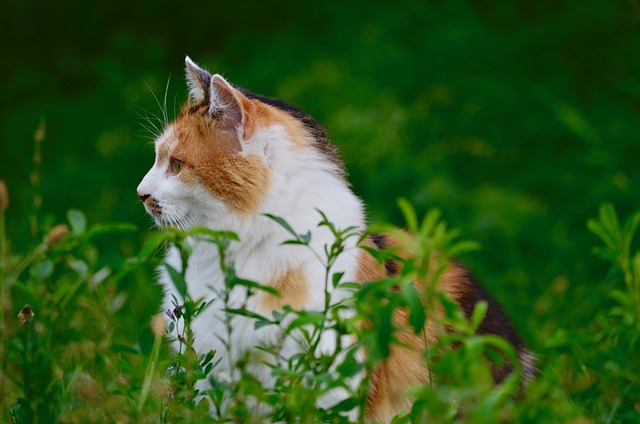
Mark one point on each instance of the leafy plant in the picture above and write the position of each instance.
(65, 362)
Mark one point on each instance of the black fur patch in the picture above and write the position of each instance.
(380, 242)
(319, 134)
(204, 80)
(495, 321)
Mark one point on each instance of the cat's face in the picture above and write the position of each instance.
(206, 162)
(232, 154)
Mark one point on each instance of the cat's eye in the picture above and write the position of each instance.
(176, 166)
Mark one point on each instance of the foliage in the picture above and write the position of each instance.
(515, 118)
(63, 361)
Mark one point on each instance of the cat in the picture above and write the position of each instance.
(229, 158)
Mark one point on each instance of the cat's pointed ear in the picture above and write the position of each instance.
(234, 109)
(198, 81)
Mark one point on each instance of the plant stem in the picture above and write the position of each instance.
(26, 370)
(36, 177)
(150, 372)
(4, 300)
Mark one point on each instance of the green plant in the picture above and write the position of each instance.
(614, 340)
(64, 360)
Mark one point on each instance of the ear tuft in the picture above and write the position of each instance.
(234, 109)
(198, 81)
(222, 95)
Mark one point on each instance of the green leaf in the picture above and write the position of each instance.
(253, 285)
(601, 231)
(79, 266)
(207, 358)
(609, 219)
(620, 296)
(263, 323)
(116, 347)
(346, 405)
(305, 238)
(350, 286)
(245, 313)
(19, 411)
(294, 242)
(501, 345)
(99, 229)
(77, 221)
(384, 331)
(494, 356)
(126, 366)
(216, 235)
(401, 419)
(284, 224)
(152, 243)
(409, 214)
(336, 277)
(463, 247)
(178, 280)
(430, 224)
(417, 315)
(42, 270)
(307, 317)
(478, 315)
(201, 307)
(350, 366)
(279, 316)
(145, 341)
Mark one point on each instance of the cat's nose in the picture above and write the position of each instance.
(143, 197)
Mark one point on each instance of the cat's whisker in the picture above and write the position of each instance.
(150, 126)
(152, 123)
(160, 105)
(149, 116)
(151, 134)
(164, 103)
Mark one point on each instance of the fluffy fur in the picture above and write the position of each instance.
(241, 156)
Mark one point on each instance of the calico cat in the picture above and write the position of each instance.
(231, 157)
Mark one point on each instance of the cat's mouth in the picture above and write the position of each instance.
(166, 219)
(152, 206)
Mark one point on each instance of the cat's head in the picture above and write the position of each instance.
(226, 152)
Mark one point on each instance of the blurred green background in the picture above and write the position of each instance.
(515, 118)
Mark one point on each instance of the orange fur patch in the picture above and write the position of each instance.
(293, 289)
(258, 114)
(405, 367)
(211, 158)
(269, 115)
(209, 150)
(368, 267)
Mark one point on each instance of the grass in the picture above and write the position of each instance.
(66, 356)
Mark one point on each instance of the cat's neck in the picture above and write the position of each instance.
(298, 199)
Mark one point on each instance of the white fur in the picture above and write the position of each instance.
(303, 182)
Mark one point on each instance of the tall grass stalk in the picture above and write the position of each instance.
(36, 178)
(158, 327)
(4, 293)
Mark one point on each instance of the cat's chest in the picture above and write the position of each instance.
(214, 328)
(203, 274)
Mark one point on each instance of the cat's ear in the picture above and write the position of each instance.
(198, 81)
(235, 111)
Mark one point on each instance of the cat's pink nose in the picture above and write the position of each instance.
(143, 197)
